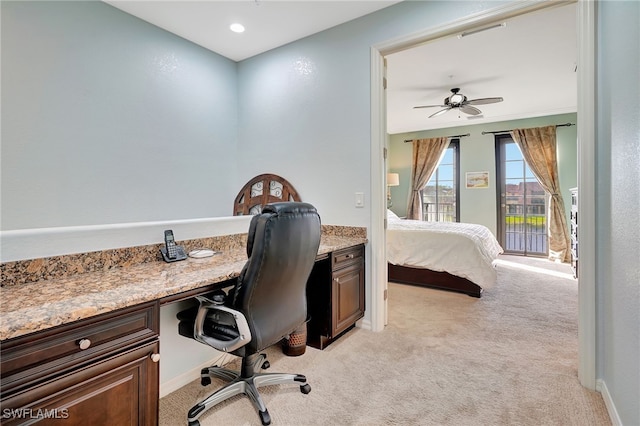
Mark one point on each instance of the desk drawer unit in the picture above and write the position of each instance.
(39, 360)
(335, 295)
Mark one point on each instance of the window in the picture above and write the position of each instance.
(440, 194)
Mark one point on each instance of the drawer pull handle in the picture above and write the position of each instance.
(337, 280)
(84, 344)
(155, 357)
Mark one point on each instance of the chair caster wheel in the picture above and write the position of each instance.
(194, 423)
(265, 365)
(204, 381)
(265, 417)
(305, 389)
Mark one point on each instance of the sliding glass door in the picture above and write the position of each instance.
(522, 208)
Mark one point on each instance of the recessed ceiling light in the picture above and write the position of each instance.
(237, 28)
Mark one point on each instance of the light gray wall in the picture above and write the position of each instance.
(477, 153)
(618, 205)
(107, 119)
(305, 109)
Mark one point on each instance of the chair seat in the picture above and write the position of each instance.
(212, 326)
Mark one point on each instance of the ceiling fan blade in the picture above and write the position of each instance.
(442, 111)
(483, 101)
(429, 106)
(468, 109)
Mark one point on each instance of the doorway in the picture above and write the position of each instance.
(586, 165)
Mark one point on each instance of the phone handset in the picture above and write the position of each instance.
(171, 252)
(170, 244)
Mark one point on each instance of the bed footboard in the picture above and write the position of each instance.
(434, 279)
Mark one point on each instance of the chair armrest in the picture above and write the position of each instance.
(244, 333)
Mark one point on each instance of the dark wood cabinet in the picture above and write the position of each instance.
(335, 295)
(100, 371)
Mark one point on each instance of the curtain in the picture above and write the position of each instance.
(538, 147)
(426, 155)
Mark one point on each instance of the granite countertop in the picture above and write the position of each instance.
(39, 305)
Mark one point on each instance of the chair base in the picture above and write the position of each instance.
(247, 382)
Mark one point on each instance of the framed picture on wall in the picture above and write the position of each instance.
(477, 180)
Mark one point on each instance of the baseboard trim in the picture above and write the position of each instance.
(601, 387)
(364, 324)
(184, 379)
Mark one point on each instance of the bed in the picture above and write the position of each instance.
(445, 255)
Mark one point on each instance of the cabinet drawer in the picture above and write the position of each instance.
(36, 357)
(346, 257)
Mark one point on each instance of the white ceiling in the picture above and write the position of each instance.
(530, 62)
(268, 23)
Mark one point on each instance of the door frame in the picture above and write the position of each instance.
(586, 19)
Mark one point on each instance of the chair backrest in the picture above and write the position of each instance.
(282, 246)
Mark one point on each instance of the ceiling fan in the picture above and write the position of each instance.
(458, 100)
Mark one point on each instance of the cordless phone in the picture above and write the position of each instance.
(171, 252)
(170, 244)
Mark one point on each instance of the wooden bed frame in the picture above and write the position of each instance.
(433, 279)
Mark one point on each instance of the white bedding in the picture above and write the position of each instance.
(462, 249)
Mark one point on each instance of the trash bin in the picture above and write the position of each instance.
(296, 343)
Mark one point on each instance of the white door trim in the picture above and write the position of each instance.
(586, 163)
(587, 193)
(378, 197)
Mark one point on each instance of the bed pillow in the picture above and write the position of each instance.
(392, 216)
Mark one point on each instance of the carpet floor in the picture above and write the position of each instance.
(508, 358)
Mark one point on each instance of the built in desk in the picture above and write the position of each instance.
(88, 342)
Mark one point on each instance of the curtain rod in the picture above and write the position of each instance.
(507, 131)
(454, 136)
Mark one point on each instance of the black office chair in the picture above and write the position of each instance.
(267, 304)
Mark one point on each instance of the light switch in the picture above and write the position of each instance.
(360, 199)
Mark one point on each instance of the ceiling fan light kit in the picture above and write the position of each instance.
(455, 98)
(460, 101)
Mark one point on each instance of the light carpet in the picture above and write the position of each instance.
(508, 358)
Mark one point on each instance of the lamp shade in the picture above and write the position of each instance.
(393, 179)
